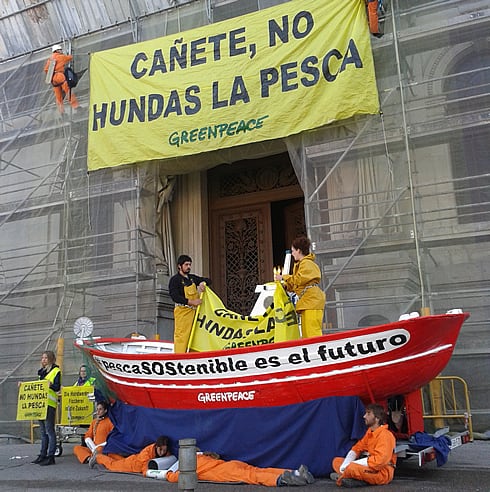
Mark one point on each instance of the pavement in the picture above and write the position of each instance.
(467, 469)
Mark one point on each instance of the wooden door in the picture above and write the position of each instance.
(242, 256)
(294, 220)
(246, 215)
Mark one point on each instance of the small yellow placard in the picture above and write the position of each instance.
(32, 403)
(76, 407)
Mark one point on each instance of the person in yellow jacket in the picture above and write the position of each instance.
(83, 379)
(304, 282)
(185, 289)
(52, 373)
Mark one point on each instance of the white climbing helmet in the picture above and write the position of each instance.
(56, 47)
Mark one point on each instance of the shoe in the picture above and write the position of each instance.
(49, 460)
(93, 459)
(289, 477)
(352, 483)
(38, 460)
(334, 476)
(305, 473)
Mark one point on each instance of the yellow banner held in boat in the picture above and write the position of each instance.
(266, 75)
(216, 327)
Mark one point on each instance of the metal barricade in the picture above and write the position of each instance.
(445, 401)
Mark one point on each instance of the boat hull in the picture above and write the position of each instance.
(371, 363)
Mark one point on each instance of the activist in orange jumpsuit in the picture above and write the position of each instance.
(136, 463)
(379, 466)
(184, 289)
(376, 12)
(98, 431)
(304, 283)
(59, 83)
(211, 468)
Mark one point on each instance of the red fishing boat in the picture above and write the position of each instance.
(373, 363)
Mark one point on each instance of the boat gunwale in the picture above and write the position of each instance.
(277, 379)
(93, 345)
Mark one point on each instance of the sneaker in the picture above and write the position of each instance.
(291, 478)
(93, 459)
(49, 460)
(39, 459)
(352, 483)
(305, 473)
(334, 476)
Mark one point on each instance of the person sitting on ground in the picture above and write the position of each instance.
(96, 436)
(379, 443)
(135, 463)
(211, 467)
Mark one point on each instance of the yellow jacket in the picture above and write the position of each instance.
(304, 283)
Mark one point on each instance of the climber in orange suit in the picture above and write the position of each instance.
(135, 463)
(211, 468)
(376, 13)
(98, 431)
(59, 83)
(379, 443)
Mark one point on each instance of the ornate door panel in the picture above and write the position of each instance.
(294, 220)
(250, 202)
(243, 238)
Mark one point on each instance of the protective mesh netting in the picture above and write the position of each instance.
(72, 244)
(397, 206)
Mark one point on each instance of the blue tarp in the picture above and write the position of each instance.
(441, 445)
(312, 433)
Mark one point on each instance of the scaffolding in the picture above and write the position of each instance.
(72, 244)
(397, 204)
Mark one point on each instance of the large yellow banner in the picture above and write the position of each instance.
(32, 403)
(269, 74)
(216, 327)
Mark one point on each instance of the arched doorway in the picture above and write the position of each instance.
(256, 208)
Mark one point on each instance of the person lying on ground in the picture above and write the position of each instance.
(135, 463)
(210, 467)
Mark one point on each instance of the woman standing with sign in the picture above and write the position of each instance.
(52, 373)
(304, 282)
